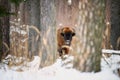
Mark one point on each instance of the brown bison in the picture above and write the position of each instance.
(64, 38)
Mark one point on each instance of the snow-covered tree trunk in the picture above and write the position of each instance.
(48, 32)
(17, 47)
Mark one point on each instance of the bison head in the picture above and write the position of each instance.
(67, 33)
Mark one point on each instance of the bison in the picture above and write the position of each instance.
(64, 38)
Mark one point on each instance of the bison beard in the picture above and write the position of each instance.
(64, 38)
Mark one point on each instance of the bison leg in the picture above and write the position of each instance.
(60, 52)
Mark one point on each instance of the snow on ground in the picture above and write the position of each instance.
(57, 71)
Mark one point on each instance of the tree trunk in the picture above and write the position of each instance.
(87, 43)
(33, 19)
(48, 32)
(4, 33)
(106, 44)
(19, 31)
(115, 22)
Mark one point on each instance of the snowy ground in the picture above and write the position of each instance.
(57, 71)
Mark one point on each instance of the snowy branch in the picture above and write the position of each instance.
(111, 51)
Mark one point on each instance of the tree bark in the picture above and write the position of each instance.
(106, 43)
(48, 32)
(33, 19)
(87, 43)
